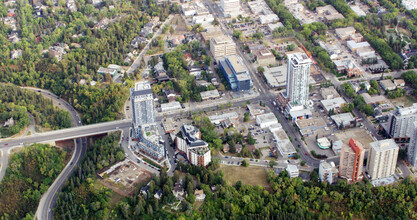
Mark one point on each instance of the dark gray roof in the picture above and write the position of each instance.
(141, 92)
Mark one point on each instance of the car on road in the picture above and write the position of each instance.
(71, 163)
(306, 154)
(226, 157)
(6, 144)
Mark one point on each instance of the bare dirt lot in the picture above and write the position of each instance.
(124, 176)
(180, 26)
(359, 134)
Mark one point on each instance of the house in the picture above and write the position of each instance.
(57, 51)
(170, 95)
(137, 41)
(226, 148)
(238, 148)
(15, 54)
(251, 148)
(158, 194)
(9, 122)
(145, 31)
(178, 191)
(399, 82)
(144, 190)
(199, 195)
(103, 70)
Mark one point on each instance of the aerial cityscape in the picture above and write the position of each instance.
(230, 109)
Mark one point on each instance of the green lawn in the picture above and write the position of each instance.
(248, 175)
(405, 101)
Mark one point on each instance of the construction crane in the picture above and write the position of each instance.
(308, 53)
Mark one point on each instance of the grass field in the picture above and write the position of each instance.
(359, 134)
(248, 175)
(405, 101)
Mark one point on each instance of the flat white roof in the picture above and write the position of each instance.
(333, 103)
(216, 119)
(345, 119)
(384, 145)
(171, 106)
(268, 117)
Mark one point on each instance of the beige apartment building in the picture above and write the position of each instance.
(222, 46)
(382, 159)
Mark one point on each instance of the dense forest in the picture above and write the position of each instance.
(95, 47)
(19, 116)
(43, 111)
(80, 198)
(29, 174)
(287, 198)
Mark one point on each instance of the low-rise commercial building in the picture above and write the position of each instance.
(353, 46)
(171, 106)
(343, 120)
(211, 94)
(217, 119)
(266, 120)
(329, 93)
(345, 33)
(323, 143)
(273, 27)
(387, 85)
(335, 104)
(282, 142)
(276, 77)
(376, 99)
(267, 19)
(309, 127)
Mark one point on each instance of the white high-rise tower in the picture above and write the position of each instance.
(142, 103)
(298, 75)
(412, 147)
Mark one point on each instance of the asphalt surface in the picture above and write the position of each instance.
(69, 133)
(48, 200)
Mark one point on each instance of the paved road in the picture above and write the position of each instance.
(69, 133)
(75, 120)
(48, 200)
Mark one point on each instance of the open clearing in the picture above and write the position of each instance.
(248, 175)
(359, 134)
(405, 101)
